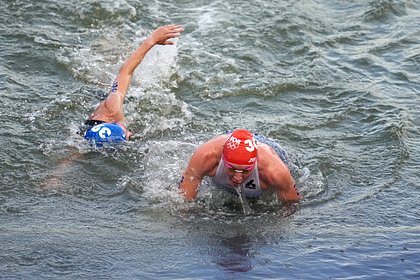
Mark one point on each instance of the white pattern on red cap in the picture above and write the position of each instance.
(240, 148)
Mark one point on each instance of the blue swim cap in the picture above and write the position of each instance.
(105, 132)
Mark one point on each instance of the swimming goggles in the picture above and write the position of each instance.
(232, 169)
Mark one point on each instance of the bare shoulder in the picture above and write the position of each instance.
(214, 145)
(267, 155)
(207, 156)
(272, 169)
(211, 151)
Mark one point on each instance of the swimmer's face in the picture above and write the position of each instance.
(238, 173)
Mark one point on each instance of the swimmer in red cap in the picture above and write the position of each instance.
(238, 160)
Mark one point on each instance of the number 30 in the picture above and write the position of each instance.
(251, 145)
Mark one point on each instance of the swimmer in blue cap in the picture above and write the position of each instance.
(107, 123)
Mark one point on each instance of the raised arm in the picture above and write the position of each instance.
(111, 109)
(160, 36)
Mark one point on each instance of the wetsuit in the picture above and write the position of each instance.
(251, 186)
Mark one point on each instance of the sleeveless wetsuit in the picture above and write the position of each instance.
(251, 186)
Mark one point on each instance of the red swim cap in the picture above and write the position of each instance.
(240, 148)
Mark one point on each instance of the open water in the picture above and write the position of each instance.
(336, 83)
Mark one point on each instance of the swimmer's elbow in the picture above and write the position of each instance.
(188, 187)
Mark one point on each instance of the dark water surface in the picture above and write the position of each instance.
(336, 83)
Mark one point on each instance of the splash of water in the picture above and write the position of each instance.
(244, 201)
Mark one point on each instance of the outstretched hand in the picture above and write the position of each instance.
(163, 34)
